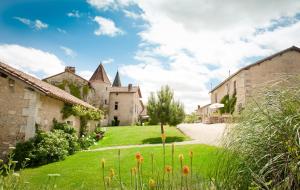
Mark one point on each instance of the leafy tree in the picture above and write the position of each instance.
(151, 109)
(191, 118)
(177, 113)
(164, 109)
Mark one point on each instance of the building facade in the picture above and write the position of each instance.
(122, 104)
(27, 102)
(246, 81)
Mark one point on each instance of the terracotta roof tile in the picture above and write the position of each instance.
(42, 86)
(100, 75)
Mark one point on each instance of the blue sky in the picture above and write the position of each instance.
(189, 45)
(75, 33)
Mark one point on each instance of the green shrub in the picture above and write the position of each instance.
(64, 126)
(46, 147)
(70, 135)
(86, 141)
(50, 147)
(267, 141)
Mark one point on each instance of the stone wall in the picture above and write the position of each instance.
(60, 79)
(22, 108)
(11, 113)
(250, 80)
(125, 108)
(101, 96)
(271, 71)
(129, 108)
(237, 84)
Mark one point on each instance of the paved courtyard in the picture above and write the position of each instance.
(210, 134)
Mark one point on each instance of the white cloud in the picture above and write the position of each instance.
(61, 30)
(74, 13)
(68, 51)
(108, 61)
(23, 20)
(85, 74)
(183, 40)
(106, 27)
(30, 60)
(36, 24)
(194, 34)
(110, 4)
(131, 14)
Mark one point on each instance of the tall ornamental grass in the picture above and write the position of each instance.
(265, 145)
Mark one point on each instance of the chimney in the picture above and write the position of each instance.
(198, 107)
(70, 69)
(129, 87)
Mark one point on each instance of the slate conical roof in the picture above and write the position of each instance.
(117, 81)
(100, 75)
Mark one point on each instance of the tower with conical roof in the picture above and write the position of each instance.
(101, 84)
(117, 81)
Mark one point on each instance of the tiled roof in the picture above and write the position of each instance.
(42, 86)
(123, 89)
(117, 80)
(100, 75)
(293, 48)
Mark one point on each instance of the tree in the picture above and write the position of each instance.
(177, 113)
(191, 118)
(151, 109)
(164, 109)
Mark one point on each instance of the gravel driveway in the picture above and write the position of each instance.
(204, 133)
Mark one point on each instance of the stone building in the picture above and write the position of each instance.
(122, 104)
(255, 76)
(203, 112)
(26, 102)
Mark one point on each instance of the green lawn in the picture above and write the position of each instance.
(83, 168)
(129, 135)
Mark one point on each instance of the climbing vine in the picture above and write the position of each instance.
(85, 114)
(75, 89)
(229, 104)
(81, 111)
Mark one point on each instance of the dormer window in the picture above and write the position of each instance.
(116, 105)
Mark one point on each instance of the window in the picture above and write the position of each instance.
(234, 87)
(105, 101)
(216, 97)
(227, 88)
(116, 105)
(11, 82)
(3, 75)
(117, 93)
(70, 123)
(106, 88)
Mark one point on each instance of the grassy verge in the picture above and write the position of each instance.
(129, 135)
(83, 169)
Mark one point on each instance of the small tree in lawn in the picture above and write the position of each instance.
(164, 109)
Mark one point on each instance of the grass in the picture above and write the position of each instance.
(130, 135)
(83, 169)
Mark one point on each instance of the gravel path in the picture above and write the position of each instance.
(210, 134)
(200, 133)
